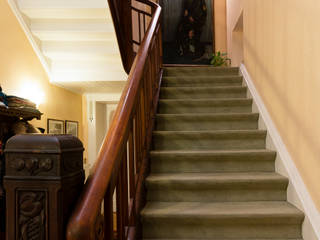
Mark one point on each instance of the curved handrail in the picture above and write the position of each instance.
(83, 219)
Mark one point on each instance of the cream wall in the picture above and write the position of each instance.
(220, 25)
(19, 66)
(234, 37)
(281, 52)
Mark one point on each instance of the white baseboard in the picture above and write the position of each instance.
(306, 203)
(25, 28)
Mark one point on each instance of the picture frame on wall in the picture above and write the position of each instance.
(55, 126)
(71, 127)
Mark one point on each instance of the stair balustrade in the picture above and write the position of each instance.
(122, 162)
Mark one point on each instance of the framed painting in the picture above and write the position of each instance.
(55, 126)
(71, 128)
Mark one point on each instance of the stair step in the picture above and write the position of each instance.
(73, 29)
(201, 81)
(209, 140)
(79, 50)
(202, 92)
(229, 220)
(88, 76)
(88, 71)
(34, 12)
(222, 239)
(206, 121)
(198, 71)
(62, 4)
(216, 187)
(212, 161)
(205, 106)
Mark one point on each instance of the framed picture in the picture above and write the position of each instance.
(72, 128)
(55, 126)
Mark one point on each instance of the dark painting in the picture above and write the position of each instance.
(187, 31)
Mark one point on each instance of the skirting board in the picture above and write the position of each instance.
(307, 203)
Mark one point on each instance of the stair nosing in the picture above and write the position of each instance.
(214, 152)
(215, 87)
(179, 181)
(240, 131)
(209, 99)
(223, 210)
(217, 115)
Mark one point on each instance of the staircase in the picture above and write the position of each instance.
(77, 43)
(211, 174)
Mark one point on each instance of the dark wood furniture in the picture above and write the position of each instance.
(7, 117)
(43, 179)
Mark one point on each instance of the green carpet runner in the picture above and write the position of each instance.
(211, 174)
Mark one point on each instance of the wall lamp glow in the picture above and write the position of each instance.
(32, 92)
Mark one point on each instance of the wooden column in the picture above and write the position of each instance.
(43, 178)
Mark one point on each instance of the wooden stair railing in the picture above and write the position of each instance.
(122, 161)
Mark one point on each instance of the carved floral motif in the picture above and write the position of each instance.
(33, 165)
(31, 215)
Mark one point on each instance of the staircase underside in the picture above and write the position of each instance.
(76, 41)
(211, 174)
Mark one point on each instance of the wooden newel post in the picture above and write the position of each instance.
(43, 178)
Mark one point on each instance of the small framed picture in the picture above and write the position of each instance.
(72, 128)
(55, 126)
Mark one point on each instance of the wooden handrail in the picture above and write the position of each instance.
(125, 146)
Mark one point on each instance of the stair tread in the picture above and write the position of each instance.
(212, 152)
(213, 132)
(235, 116)
(203, 70)
(222, 239)
(203, 76)
(222, 100)
(212, 161)
(219, 178)
(197, 92)
(223, 210)
(215, 88)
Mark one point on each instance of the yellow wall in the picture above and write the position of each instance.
(220, 25)
(281, 52)
(19, 66)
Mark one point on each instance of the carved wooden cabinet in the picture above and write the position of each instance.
(43, 179)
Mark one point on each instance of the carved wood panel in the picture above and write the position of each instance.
(31, 215)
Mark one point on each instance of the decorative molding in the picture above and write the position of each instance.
(308, 205)
(30, 37)
(33, 166)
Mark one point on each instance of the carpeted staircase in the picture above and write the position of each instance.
(211, 174)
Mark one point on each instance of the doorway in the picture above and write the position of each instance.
(188, 31)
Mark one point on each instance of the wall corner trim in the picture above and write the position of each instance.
(26, 30)
(308, 205)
